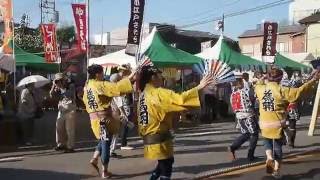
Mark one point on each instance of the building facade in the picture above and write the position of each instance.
(313, 33)
(299, 9)
(187, 40)
(291, 39)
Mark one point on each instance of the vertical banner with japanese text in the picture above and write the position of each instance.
(6, 18)
(49, 42)
(80, 18)
(269, 42)
(135, 26)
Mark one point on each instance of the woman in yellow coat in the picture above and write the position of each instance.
(97, 98)
(273, 100)
(154, 109)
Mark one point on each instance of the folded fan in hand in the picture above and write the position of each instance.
(220, 71)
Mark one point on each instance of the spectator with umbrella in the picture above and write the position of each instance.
(28, 106)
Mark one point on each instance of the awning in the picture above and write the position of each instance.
(162, 54)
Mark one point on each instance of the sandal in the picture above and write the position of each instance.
(106, 174)
(94, 165)
(269, 166)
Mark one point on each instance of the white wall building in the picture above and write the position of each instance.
(302, 8)
(115, 37)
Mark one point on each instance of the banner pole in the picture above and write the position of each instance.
(13, 57)
(315, 112)
(88, 34)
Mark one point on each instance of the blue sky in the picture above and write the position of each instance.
(115, 13)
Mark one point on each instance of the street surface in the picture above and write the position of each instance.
(198, 151)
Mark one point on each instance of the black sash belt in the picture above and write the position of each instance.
(156, 138)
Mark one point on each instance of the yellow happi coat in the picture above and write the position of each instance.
(273, 101)
(155, 108)
(98, 95)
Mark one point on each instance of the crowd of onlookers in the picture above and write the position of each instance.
(215, 101)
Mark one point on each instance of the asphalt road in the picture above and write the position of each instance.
(198, 151)
(304, 167)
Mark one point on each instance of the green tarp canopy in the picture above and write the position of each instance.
(162, 54)
(234, 58)
(284, 62)
(33, 61)
(221, 51)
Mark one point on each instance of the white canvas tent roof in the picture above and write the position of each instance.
(213, 52)
(114, 59)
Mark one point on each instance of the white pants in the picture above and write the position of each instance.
(65, 129)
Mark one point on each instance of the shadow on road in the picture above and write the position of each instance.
(307, 146)
(210, 167)
(128, 176)
(311, 174)
(26, 174)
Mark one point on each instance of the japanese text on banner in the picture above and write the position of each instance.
(79, 13)
(49, 42)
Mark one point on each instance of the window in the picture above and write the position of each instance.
(282, 47)
(248, 49)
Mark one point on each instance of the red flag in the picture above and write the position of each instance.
(6, 12)
(49, 42)
(79, 13)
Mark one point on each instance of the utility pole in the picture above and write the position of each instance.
(102, 31)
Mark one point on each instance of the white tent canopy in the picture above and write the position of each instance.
(114, 59)
(213, 52)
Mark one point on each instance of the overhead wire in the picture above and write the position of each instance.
(198, 15)
(232, 14)
(246, 11)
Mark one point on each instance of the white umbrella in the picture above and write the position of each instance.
(38, 81)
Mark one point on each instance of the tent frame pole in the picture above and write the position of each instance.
(13, 56)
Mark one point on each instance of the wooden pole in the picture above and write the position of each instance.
(14, 57)
(88, 33)
(315, 113)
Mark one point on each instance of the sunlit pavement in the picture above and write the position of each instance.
(198, 151)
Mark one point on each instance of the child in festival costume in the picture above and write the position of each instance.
(155, 103)
(273, 100)
(97, 98)
(242, 105)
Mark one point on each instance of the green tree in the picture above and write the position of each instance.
(66, 35)
(27, 38)
(30, 39)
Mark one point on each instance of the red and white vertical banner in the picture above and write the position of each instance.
(6, 13)
(135, 26)
(269, 48)
(80, 18)
(49, 42)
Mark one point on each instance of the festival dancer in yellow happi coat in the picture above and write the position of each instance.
(97, 98)
(273, 101)
(154, 108)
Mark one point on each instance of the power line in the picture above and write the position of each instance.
(258, 8)
(232, 14)
(208, 13)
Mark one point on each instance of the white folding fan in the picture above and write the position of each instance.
(220, 71)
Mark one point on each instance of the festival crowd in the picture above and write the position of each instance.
(266, 104)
